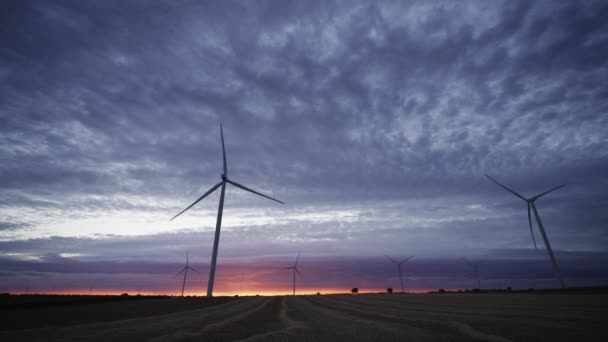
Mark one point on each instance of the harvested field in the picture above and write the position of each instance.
(366, 317)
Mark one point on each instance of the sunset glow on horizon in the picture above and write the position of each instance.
(219, 293)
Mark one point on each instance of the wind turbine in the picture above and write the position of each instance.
(475, 267)
(185, 270)
(220, 210)
(530, 201)
(399, 263)
(295, 269)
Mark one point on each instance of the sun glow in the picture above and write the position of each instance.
(305, 291)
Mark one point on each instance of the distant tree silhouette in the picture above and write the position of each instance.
(509, 288)
(441, 291)
(355, 290)
(389, 290)
(318, 293)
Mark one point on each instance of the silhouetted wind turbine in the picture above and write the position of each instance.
(220, 210)
(399, 263)
(475, 267)
(185, 270)
(295, 269)
(530, 201)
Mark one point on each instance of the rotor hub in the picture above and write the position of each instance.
(224, 178)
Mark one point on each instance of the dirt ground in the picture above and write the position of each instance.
(364, 317)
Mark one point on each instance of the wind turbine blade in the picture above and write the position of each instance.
(406, 259)
(546, 192)
(180, 272)
(255, 192)
(530, 223)
(224, 151)
(286, 268)
(504, 187)
(192, 269)
(198, 200)
(297, 259)
(298, 272)
(468, 262)
(391, 259)
(558, 273)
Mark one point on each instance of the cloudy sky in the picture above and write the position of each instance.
(373, 121)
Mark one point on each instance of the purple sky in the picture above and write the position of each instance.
(374, 121)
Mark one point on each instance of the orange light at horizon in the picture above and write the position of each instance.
(255, 278)
(202, 292)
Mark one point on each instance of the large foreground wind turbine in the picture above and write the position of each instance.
(530, 201)
(220, 210)
(399, 263)
(295, 269)
(185, 270)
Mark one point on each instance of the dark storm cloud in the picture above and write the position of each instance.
(391, 110)
(129, 82)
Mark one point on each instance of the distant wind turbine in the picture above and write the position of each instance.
(185, 270)
(295, 269)
(475, 267)
(220, 210)
(530, 201)
(399, 263)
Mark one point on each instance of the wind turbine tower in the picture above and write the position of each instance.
(295, 269)
(220, 211)
(399, 263)
(185, 270)
(530, 202)
(475, 267)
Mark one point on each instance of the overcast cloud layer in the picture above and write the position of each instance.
(374, 121)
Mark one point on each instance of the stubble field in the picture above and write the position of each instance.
(364, 317)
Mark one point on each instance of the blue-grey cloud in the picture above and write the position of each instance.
(375, 122)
